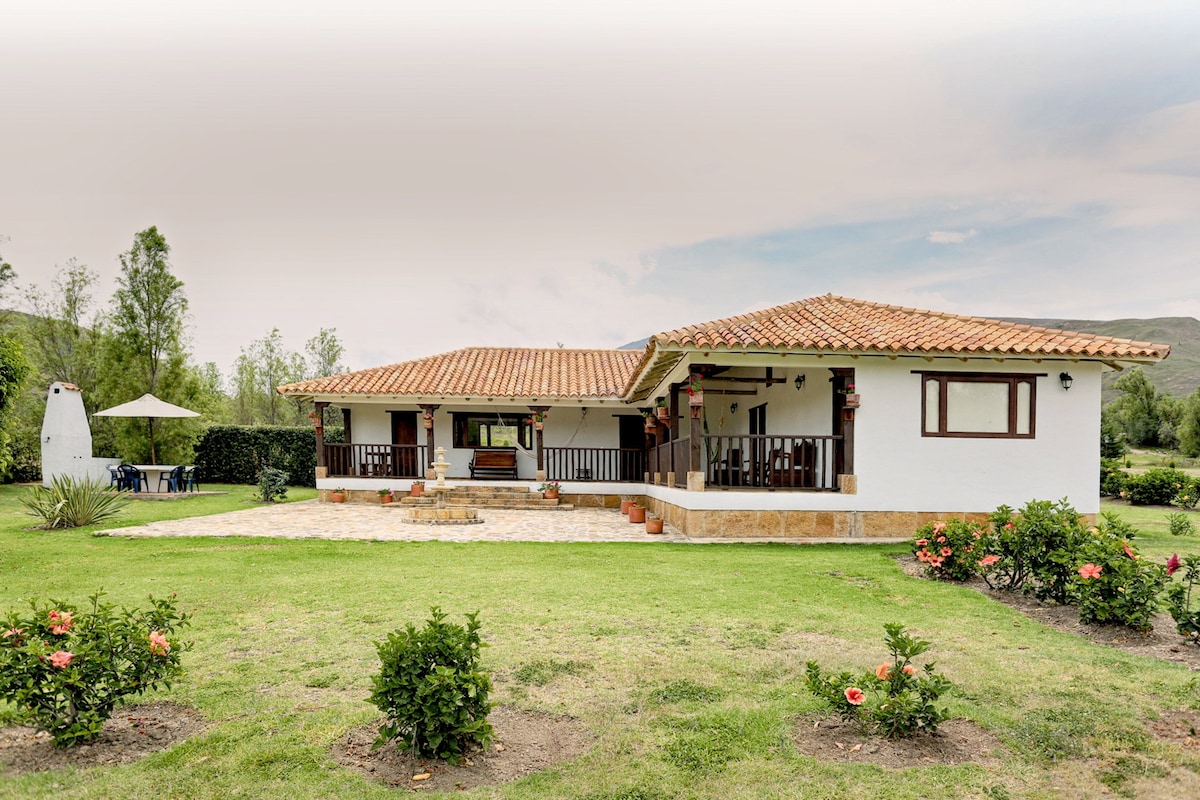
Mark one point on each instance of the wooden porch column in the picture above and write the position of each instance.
(429, 408)
(696, 442)
(319, 419)
(537, 431)
(848, 441)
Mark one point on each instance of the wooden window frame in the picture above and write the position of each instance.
(1011, 379)
(461, 421)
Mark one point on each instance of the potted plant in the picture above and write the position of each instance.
(626, 505)
(660, 408)
(695, 391)
(337, 495)
(385, 496)
(852, 398)
(549, 490)
(654, 525)
(428, 420)
(637, 514)
(538, 419)
(417, 488)
(651, 425)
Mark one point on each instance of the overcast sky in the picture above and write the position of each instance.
(423, 176)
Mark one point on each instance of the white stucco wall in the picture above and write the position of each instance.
(67, 438)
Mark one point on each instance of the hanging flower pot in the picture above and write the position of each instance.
(654, 525)
(637, 514)
(651, 425)
(537, 426)
(852, 400)
(663, 412)
(696, 398)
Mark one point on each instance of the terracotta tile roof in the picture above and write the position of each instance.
(840, 324)
(488, 372)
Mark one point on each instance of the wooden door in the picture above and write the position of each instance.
(404, 434)
(759, 450)
(632, 441)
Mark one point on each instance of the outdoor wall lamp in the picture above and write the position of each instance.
(800, 381)
(1066, 379)
(732, 407)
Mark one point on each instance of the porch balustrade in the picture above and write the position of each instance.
(780, 462)
(595, 464)
(375, 460)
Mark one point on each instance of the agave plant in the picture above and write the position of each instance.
(71, 503)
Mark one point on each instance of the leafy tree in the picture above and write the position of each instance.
(1189, 425)
(1170, 414)
(62, 332)
(262, 366)
(1135, 412)
(325, 353)
(1111, 443)
(14, 368)
(145, 351)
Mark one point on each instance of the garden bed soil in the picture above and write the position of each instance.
(131, 733)
(524, 743)
(958, 741)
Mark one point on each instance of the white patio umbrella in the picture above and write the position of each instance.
(150, 407)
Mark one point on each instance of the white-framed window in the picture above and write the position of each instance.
(979, 404)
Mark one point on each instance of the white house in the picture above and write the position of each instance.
(828, 417)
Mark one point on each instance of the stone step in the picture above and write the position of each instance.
(484, 507)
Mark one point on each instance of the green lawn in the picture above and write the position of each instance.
(284, 633)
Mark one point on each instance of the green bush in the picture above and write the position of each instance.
(1179, 596)
(1112, 584)
(431, 689)
(896, 700)
(237, 453)
(1035, 549)
(1180, 524)
(71, 503)
(1112, 479)
(65, 671)
(950, 550)
(272, 485)
(1188, 494)
(1154, 487)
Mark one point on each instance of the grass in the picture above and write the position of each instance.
(1142, 460)
(685, 662)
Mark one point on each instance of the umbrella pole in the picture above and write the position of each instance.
(153, 456)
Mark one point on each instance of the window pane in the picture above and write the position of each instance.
(976, 407)
(931, 405)
(1023, 406)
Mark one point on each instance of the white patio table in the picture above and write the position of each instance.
(153, 473)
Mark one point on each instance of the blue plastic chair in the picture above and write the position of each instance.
(174, 480)
(189, 479)
(132, 478)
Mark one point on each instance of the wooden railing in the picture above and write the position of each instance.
(594, 464)
(375, 460)
(764, 460)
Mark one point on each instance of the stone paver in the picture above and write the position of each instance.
(311, 519)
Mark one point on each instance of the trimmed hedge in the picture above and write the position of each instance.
(237, 453)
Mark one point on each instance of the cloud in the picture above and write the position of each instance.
(950, 237)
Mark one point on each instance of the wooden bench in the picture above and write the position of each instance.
(496, 463)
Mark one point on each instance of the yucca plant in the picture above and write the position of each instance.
(70, 503)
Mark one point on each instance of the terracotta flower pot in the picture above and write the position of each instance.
(550, 494)
(637, 514)
(337, 497)
(662, 412)
(417, 490)
(384, 499)
(626, 505)
(654, 525)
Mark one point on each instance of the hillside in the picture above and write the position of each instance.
(1179, 375)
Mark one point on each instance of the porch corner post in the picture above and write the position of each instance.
(848, 441)
(319, 419)
(430, 441)
(537, 429)
(695, 444)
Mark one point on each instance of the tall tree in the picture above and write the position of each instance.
(145, 348)
(325, 353)
(262, 366)
(1136, 410)
(62, 332)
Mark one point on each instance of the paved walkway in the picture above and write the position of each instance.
(311, 519)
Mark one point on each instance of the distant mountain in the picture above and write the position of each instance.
(1179, 375)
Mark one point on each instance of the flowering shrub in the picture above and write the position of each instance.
(1179, 596)
(896, 700)
(431, 690)
(1154, 487)
(65, 670)
(1112, 583)
(950, 550)
(1035, 548)
(1112, 478)
(1188, 494)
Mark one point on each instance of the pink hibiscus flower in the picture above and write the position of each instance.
(159, 645)
(61, 659)
(883, 671)
(60, 622)
(938, 527)
(987, 561)
(855, 696)
(922, 542)
(909, 669)
(946, 551)
(1172, 565)
(1129, 552)
(1089, 571)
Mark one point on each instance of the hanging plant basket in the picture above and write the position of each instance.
(852, 400)
(696, 398)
